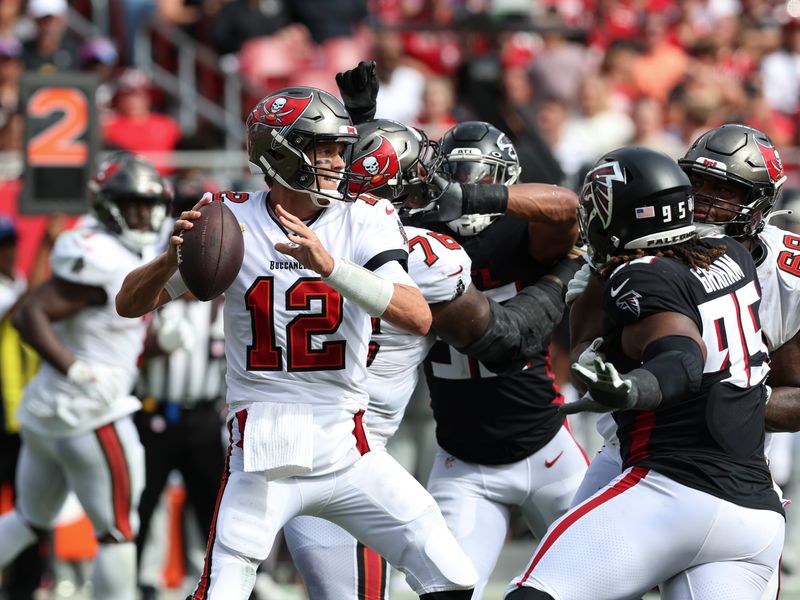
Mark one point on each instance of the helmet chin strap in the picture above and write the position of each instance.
(776, 213)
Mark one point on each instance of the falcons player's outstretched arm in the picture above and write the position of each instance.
(783, 407)
(505, 336)
(672, 353)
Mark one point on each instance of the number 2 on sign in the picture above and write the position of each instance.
(58, 144)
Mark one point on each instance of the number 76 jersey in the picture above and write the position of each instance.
(441, 268)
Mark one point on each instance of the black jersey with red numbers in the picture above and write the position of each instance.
(712, 440)
(481, 417)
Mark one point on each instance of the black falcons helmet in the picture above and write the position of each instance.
(745, 157)
(634, 198)
(478, 152)
(392, 160)
(283, 131)
(121, 179)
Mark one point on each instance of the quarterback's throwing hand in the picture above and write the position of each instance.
(183, 223)
(304, 244)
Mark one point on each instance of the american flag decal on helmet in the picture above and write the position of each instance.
(598, 189)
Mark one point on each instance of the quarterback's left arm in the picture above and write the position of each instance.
(400, 304)
(783, 407)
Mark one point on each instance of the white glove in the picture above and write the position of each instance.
(578, 283)
(586, 359)
(99, 383)
(175, 334)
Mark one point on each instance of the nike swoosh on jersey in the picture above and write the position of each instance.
(461, 268)
(550, 463)
(615, 291)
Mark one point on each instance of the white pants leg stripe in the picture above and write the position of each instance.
(201, 591)
(583, 452)
(120, 479)
(631, 479)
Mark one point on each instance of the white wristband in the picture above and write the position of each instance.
(175, 286)
(363, 287)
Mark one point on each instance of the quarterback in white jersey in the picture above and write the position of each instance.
(75, 420)
(736, 176)
(297, 333)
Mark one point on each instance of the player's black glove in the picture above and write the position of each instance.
(359, 90)
(454, 199)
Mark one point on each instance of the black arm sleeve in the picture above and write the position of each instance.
(518, 328)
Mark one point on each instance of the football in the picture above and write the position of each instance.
(212, 251)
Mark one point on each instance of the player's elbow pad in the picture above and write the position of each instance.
(518, 328)
(672, 368)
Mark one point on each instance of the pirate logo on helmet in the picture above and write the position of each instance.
(772, 160)
(279, 111)
(377, 167)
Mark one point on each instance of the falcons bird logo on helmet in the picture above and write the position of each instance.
(598, 189)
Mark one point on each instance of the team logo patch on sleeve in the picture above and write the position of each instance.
(630, 301)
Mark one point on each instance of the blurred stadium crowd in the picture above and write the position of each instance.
(567, 80)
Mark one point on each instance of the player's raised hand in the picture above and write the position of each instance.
(183, 223)
(359, 90)
(304, 245)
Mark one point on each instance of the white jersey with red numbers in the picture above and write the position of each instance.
(779, 277)
(290, 339)
(88, 255)
(441, 269)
